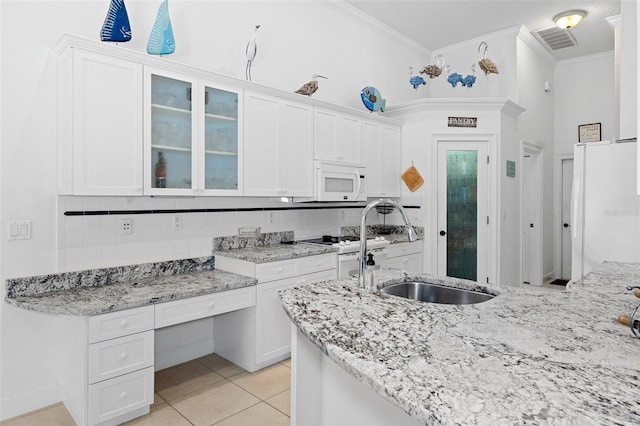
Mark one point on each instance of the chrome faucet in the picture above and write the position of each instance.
(411, 233)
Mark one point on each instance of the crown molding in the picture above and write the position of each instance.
(614, 21)
(446, 104)
(587, 58)
(477, 40)
(527, 38)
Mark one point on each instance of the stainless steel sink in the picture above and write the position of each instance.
(434, 293)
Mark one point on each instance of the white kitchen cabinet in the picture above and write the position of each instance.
(337, 136)
(278, 147)
(193, 136)
(99, 124)
(381, 146)
(257, 337)
(405, 256)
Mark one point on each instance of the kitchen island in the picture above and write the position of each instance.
(528, 356)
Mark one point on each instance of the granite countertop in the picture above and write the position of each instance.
(527, 356)
(140, 285)
(275, 252)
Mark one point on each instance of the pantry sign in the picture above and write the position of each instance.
(463, 122)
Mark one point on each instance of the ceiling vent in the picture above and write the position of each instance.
(556, 38)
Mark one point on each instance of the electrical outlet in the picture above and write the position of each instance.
(269, 217)
(126, 226)
(177, 223)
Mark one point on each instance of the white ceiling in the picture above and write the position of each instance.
(439, 23)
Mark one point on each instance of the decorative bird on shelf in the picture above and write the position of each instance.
(310, 87)
(251, 50)
(415, 80)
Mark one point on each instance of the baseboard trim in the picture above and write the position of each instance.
(21, 404)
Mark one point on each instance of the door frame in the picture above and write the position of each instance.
(557, 212)
(431, 214)
(536, 249)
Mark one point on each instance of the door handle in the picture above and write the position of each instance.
(531, 225)
(443, 233)
(565, 225)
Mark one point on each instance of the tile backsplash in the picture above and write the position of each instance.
(95, 241)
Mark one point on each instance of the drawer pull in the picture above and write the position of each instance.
(123, 395)
(124, 356)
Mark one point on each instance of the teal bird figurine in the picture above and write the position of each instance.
(372, 99)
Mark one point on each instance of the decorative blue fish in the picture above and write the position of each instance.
(116, 25)
(161, 41)
(454, 79)
(372, 99)
(469, 80)
(416, 81)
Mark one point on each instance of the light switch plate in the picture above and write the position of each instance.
(19, 230)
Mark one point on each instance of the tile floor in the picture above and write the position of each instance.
(202, 392)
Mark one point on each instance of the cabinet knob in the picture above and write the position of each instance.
(123, 395)
(124, 323)
(443, 233)
(211, 305)
(124, 356)
(565, 225)
(279, 269)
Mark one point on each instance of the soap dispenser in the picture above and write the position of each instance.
(370, 279)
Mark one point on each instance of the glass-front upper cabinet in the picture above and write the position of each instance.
(192, 137)
(222, 140)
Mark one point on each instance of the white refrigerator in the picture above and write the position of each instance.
(605, 206)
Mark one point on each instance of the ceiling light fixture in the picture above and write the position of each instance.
(569, 19)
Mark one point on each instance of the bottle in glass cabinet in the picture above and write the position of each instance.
(161, 172)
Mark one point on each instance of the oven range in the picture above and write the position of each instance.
(349, 252)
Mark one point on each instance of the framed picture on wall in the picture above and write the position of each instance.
(589, 132)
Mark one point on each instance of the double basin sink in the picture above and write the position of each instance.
(434, 293)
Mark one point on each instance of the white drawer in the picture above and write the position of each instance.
(118, 396)
(120, 323)
(184, 310)
(119, 356)
(291, 267)
(276, 270)
(403, 249)
(318, 263)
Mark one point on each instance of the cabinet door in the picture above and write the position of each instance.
(337, 137)
(221, 129)
(171, 129)
(389, 165)
(261, 149)
(101, 125)
(371, 154)
(381, 146)
(296, 150)
(273, 325)
(408, 263)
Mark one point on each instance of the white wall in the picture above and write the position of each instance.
(584, 93)
(535, 125)
(461, 56)
(628, 103)
(296, 40)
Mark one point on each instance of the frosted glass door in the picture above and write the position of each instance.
(171, 134)
(220, 139)
(462, 210)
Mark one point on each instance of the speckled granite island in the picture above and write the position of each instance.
(527, 356)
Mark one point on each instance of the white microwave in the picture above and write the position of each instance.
(337, 182)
